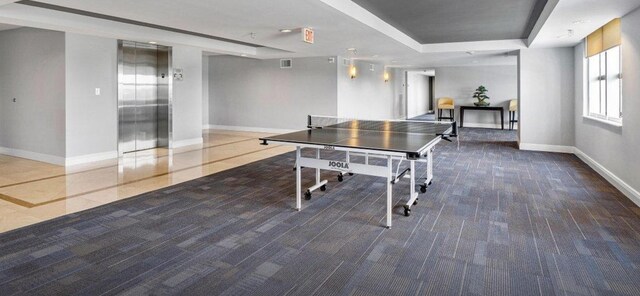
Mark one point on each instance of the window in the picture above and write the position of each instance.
(604, 86)
(604, 76)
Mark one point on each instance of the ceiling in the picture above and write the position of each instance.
(236, 20)
(449, 59)
(580, 16)
(437, 21)
(338, 24)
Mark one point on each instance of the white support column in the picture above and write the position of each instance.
(298, 180)
(389, 189)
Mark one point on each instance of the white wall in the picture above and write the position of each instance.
(614, 149)
(91, 120)
(546, 99)
(460, 83)
(187, 96)
(258, 94)
(417, 94)
(205, 91)
(367, 96)
(32, 70)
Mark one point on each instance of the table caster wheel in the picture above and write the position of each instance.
(340, 178)
(350, 174)
(307, 195)
(423, 188)
(430, 183)
(407, 211)
(415, 202)
(323, 188)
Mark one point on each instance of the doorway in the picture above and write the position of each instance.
(144, 88)
(420, 90)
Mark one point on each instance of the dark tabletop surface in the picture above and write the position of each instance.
(385, 140)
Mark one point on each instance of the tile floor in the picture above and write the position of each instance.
(32, 191)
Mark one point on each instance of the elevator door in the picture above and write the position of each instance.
(140, 126)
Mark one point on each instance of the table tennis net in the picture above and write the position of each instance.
(404, 126)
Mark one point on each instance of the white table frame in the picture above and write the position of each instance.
(385, 171)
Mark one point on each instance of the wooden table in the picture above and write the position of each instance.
(487, 108)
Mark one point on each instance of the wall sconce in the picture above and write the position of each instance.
(353, 71)
(386, 76)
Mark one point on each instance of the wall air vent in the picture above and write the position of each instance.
(286, 63)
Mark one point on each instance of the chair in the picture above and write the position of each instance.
(446, 103)
(513, 108)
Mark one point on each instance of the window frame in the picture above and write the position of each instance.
(603, 116)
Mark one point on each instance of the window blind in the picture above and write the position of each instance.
(604, 38)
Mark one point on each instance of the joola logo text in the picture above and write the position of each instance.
(338, 164)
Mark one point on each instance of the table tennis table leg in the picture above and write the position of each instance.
(298, 180)
(348, 160)
(427, 182)
(322, 184)
(317, 169)
(389, 190)
(413, 195)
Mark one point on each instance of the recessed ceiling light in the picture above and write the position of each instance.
(351, 49)
(153, 42)
(576, 22)
(286, 30)
(243, 55)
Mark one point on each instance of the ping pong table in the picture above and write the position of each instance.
(391, 140)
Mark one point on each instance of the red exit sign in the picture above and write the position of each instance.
(307, 35)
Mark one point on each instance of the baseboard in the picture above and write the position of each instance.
(618, 183)
(546, 148)
(250, 129)
(52, 159)
(187, 142)
(82, 159)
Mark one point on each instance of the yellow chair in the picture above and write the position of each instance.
(446, 103)
(513, 108)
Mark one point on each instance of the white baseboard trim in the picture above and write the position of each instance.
(250, 129)
(546, 148)
(87, 158)
(52, 159)
(187, 142)
(618, 183)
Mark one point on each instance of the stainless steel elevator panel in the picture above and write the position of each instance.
(146, 97)
(143, 96)
(164, 89)
(127, 97)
